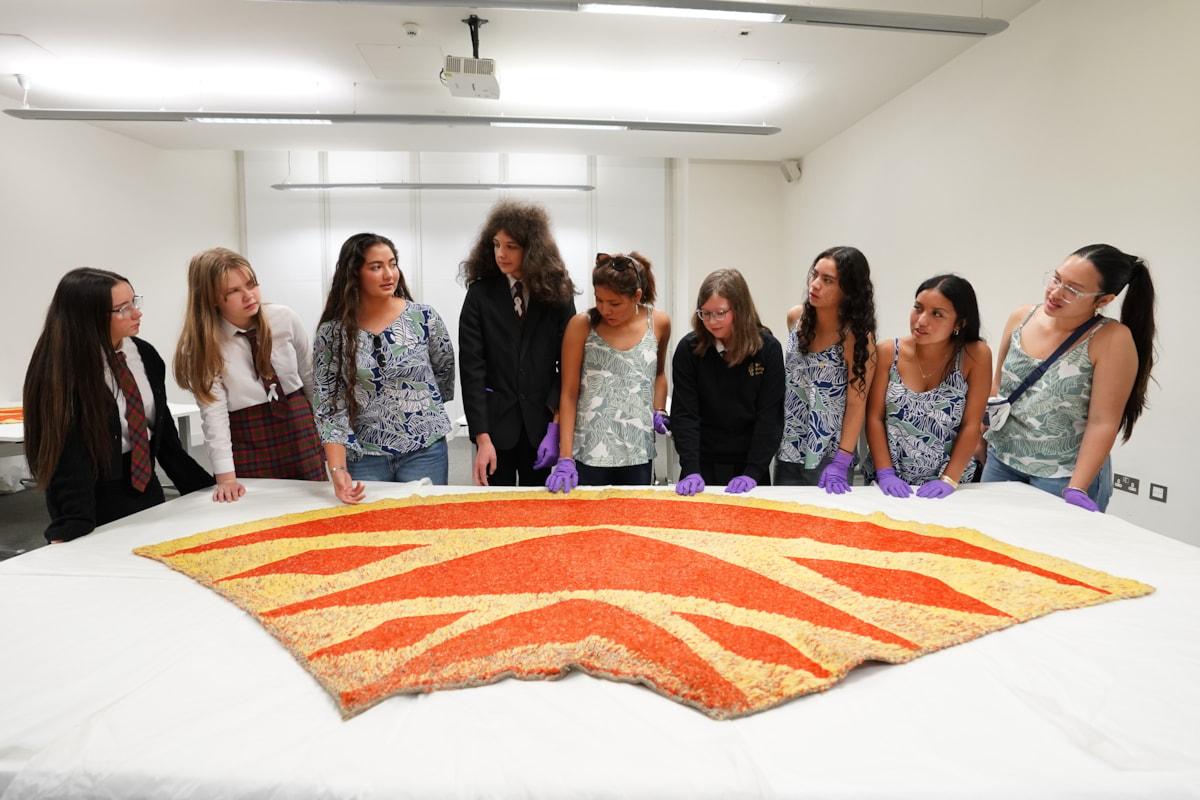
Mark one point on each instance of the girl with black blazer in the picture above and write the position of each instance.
(86, 427)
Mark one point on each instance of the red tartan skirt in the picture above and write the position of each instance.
(267, 446)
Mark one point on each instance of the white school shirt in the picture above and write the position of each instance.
(238, 387)
(134, 360)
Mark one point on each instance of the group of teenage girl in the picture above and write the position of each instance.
(562, 399)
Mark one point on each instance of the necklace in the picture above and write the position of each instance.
(920, 366)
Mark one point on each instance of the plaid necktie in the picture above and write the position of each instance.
(274, 396)
(140, 460)
(519, 300)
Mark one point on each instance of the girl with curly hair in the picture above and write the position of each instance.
(614, 383)
(519, 301)
(249, 365)
(830, 362)
(383, 367)
(727, 408)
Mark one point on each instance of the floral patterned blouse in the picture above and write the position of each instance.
(405, 374)
(814, 402)
(614, 426)
(923, 426)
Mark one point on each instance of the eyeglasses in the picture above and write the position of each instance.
(125, 310)
(380, 360)
(709, 316)
(1069, 294)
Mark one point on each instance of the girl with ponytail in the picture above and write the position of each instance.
(1060, 431)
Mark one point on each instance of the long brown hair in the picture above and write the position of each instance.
(542, 268)
(66, 388)
(198, 357)
(747, 327)
(857, 314)
(341, 306)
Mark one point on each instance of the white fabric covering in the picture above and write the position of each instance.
(121, 678)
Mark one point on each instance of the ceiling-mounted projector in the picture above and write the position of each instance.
(471, 77)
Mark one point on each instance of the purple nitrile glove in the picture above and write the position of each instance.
(890, 485)
(564, 477)
(833, 477)
(740, 484)
(662, 423)
(690, 485)
(936, 490)
(548, 449)
(1078, 497)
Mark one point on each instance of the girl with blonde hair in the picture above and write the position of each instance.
(249, 365)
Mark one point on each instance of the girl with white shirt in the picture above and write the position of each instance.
(250, 367)
(95, 408)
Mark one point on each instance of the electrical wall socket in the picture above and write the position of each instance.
(1126, 483)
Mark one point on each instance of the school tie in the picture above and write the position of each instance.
(518, 300)
(275, 399)
(140, 461)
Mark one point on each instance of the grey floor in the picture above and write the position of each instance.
(23, 515)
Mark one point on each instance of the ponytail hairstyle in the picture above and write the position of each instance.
(857, 314)
(542, 268)
(747, 337)
(66, 388)
(1124, 272)
(625, 275)
(341, 306)
(198, 356)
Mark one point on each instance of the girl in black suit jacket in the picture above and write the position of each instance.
(519, 301)
(74, 436)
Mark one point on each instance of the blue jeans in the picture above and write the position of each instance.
(635, 475)
(1100, 489)
(432, 462)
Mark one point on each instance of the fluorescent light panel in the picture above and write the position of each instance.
(434, 186)
(117, 115)
(790, 14)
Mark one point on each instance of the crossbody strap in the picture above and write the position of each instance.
(1041, 368)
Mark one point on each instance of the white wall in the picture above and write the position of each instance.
(76, 196)
(1077, 125)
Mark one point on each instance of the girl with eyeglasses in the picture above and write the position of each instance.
(519, 300)
(830, 364)
(383, 367)
(249, 366)
(1059, 432)
(727, 407)
(95, 409)
(614, 386)
(923, 414)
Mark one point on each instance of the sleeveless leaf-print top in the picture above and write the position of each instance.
(923, 426)
(614, 424)
(814, 402)
(1045, 428)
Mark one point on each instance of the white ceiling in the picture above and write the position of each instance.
(357, 58)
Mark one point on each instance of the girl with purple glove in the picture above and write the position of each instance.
(614, 385)
(923, 419)
(519, 300)
(727, 408)
(830, 362)
(1058, 434)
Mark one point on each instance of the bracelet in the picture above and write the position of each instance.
(661, 410)
(844, 450)
(953, 483)
(1072, 489)
(335, 469)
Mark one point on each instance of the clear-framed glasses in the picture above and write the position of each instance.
(711, 316)
(125, 310)
(1069, 294)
